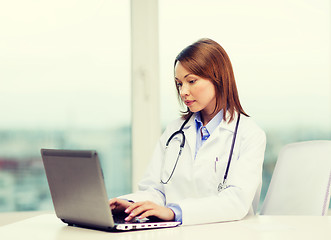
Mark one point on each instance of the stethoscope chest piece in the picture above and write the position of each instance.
(222, 186)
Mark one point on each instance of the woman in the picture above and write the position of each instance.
(187, 186)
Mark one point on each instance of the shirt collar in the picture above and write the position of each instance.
(212, 124)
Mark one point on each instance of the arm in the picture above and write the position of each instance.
(150, 199)
(150, 188)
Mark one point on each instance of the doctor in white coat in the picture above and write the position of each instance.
(192, 184)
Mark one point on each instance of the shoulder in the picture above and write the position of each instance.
(249, 129)
(249, 124)
(170, 129)
(174, 125)
(176, 122)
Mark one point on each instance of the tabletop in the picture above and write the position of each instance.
(48, 226)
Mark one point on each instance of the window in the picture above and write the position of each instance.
(64, 65)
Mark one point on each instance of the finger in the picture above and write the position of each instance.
(142, 208)
(134, 213)
(133, 206)
(163, 213)
(138, 210)
(112, 201)
(118, 204)
(147, 214)
(140, 204)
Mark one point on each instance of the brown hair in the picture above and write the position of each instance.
(207, 59)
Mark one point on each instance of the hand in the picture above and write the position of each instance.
(119, 205)
(147, 209)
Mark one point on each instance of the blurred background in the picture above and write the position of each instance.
(65, 79)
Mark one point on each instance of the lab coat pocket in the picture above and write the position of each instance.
(217, 167)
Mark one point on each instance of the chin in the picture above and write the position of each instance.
(194, 110)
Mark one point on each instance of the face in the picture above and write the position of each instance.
(197, 93)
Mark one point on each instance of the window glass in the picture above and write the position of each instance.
(280, 51)
(65, 83)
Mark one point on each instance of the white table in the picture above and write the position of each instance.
(48, 226)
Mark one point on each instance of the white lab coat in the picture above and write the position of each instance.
(194, 183)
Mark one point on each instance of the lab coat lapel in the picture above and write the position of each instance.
(224, 125)
(190, 131)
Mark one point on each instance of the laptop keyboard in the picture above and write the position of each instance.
(119, 218)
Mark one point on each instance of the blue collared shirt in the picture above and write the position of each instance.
(203, 132)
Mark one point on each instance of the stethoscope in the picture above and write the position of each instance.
(223, 184)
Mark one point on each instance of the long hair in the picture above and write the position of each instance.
(207, 59)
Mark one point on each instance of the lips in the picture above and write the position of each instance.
(189, 102)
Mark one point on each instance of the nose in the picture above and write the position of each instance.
(184, 91)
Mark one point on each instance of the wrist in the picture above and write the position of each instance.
(172, 214)
(176, 210)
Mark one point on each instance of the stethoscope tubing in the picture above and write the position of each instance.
(181, 132)
(182, 144)
(225, 177)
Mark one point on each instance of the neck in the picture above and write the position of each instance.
(205, 117)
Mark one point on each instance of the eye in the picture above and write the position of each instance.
(179, 84)
(192, 81)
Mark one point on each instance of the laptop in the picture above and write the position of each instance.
(79, 195)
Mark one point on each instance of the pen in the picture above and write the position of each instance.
(216, 163)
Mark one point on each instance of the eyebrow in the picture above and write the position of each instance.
(184, 76)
